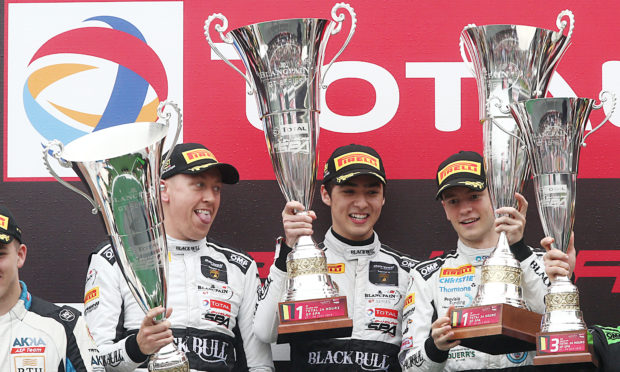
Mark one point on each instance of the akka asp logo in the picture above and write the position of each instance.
(120, 47)
(458, 167)
(356, 158)
(198, 154)
(457, 271)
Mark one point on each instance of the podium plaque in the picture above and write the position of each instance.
(496, 329)
(311, 319)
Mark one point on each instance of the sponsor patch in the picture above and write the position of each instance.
(66, 315)
(28, 350)
(386, 313)
(88, 309)
(218, 291)
(409, 300)
(28, 341)
(240, 260)
(91, 295)
(356, 158)
(217, 318)
(198, 154)
(517, 358)
(108, 254)
(213, 269)
(457, 271)
(337, 268)
(427, 269)
(382, 273)
(91, 276)
(461, 166)
(29, 363)
(383, 297)
(406, 344)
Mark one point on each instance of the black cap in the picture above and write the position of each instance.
(8, 226)
(353, 160)
(464, 168)
(193, 158)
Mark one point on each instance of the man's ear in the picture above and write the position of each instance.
(21, 255)
(443, 204)
(325, 196)
(163, 188)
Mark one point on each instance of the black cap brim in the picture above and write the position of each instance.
(339, 180)
(230, 175)
(464, 182)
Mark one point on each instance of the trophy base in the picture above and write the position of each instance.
(496, 329)
(314, 319)
(570, 350)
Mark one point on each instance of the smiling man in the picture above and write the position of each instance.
(452, 279)
(372, 276)
(212, 288)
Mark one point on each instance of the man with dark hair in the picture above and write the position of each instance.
(36, 335)
(452, 279)
(212, 287)
(371, 275)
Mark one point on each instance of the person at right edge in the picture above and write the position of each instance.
(371, 275)
(452, 279)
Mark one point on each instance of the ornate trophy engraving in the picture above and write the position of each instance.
(510, 63)
(283, 60)
(553, 132)
(121, 167)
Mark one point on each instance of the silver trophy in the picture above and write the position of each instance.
(283, 60)
(121, 167)
(510, 63)
(553, 132)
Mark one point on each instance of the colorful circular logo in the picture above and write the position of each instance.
(128, 100)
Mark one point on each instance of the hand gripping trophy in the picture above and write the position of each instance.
(284, 59)
(552, 130)
(121, 167)
(510, 63)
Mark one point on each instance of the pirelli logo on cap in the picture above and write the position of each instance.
(461, 166)
(335, 268)
(198, 154)
(4, 222)
(91, 295)
(457, 271)
(356, 158)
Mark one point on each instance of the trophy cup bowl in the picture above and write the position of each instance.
(553, 132)
(510, 63)
(284, 61)
(121, 167)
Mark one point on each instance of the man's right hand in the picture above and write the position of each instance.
(441, 332)
(296, 224)
(153, 336)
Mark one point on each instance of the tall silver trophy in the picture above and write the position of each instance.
(121, 167)
(284, 61)
(553, 131)
(510, 63)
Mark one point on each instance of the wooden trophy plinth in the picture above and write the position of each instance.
(312, 319)
(496, 329)
(569, 349)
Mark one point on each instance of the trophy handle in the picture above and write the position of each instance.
(561, 24)
(54, 148)
(166, 116)
(469, 65)
(497, 102)
(225, 38)
(603, 96)
(339, 18)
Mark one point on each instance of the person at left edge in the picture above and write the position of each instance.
(212, 288)
(36, 335)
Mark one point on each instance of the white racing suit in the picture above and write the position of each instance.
(38, 336)
(374, 279)
(212, 290)
(453, 279)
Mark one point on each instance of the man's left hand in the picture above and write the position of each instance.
(511, 220)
